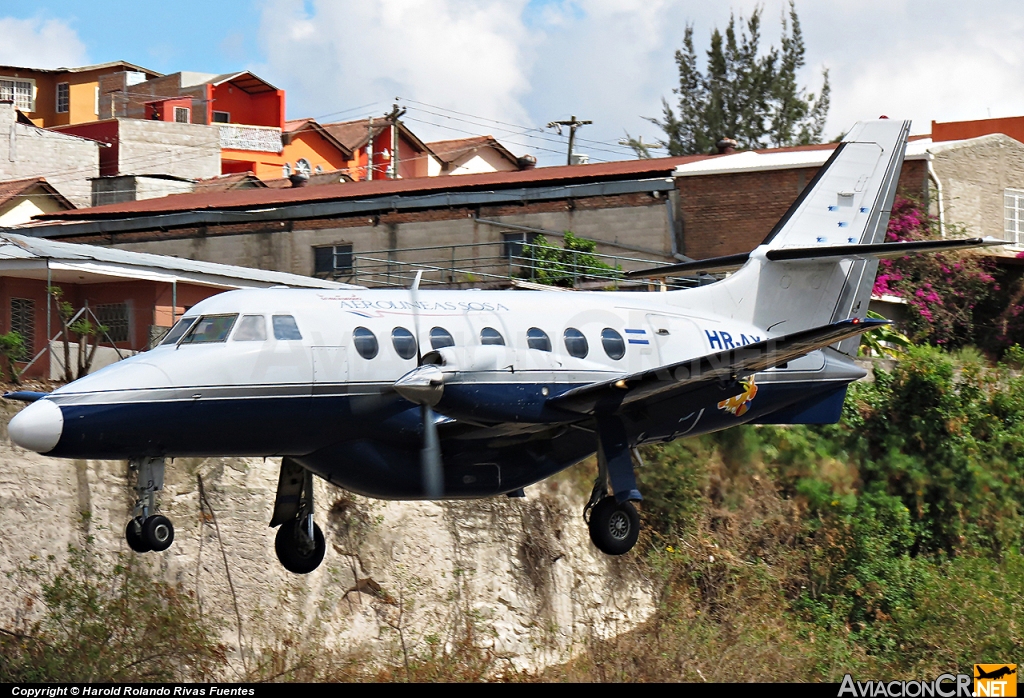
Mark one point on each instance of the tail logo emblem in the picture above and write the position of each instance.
(739, 404)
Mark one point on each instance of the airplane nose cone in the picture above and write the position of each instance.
(37, 427)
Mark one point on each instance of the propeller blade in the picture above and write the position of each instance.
(430, 456)
(424, 387)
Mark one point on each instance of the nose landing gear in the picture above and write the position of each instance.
(148, 531)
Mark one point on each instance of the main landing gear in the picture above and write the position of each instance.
(148, 531)
(299, 543)
(612, 519)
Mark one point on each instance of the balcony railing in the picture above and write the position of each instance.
(265, 139)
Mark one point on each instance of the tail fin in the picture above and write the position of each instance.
(847, 203)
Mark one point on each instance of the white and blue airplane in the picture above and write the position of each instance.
(409, 394)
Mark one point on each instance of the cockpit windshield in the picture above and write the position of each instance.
(180, 328)
(210, 328)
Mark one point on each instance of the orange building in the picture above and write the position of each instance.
(306, 147)
(63, 96)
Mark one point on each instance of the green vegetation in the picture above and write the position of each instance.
(574, 261)
(888, 543)
(12, 348)
(107, 624)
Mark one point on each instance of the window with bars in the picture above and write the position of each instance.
(23, 321)
(182, 114)
(1013, 216)
(18, 91)
(333, 260)
(63, 97)
(115, 317)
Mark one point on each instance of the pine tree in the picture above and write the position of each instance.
(743, 94)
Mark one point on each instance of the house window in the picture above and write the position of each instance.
(18, 91)
(63, 97)
(286, 170)
(1013, 216)
(512, 244)
(221, 117)
(302, 167)
(115, 317)
(334, 260)
(318, 169)
(182, 115)
(23, 321)
(97, 106)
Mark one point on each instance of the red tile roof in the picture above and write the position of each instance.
(228, 182)
(315, 179)
(451, 150)
(22, 187)
(240, 199)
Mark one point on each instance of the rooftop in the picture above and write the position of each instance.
(14, 188)
(29, 257)
(451, 150)
(125, 65)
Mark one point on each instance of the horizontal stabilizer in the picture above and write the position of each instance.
(822, 253)
(612, 395)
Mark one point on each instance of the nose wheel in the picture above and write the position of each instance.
(148, 531)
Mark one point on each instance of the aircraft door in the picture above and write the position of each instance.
(673, 338)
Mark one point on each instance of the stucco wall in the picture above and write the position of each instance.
(974, 174)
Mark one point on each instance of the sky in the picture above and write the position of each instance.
(508, 67)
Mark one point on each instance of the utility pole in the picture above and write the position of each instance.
(573, 124)
(369, 152)
(393, 117)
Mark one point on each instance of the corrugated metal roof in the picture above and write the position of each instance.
(782, 159)
(248, 199)
(20, 247)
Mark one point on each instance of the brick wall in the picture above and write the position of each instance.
(726, 214)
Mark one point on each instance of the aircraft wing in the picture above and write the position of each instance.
(673, 379)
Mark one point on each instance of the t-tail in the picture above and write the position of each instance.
(817, 265)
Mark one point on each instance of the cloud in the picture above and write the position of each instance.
(611, 61)
(40, 43)
(458, 54)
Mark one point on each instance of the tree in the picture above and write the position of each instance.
(12, 348)
(78, 323)
(743, 94)
(564, 266)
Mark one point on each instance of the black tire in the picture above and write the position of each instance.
(614, 527)
(133, 535)
(286, 544)
(158, 532)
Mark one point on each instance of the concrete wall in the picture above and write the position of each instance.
(635, 220)
(974, 174)
(67, 162)
(115, 190)
(191, 151)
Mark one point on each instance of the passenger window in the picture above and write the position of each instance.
(576, 343)
(180, 328)
(490, 336)
(614, 347)
(440, 338)
(285, 327)
(365, 341)
(252, 328)
(537, 338)
(404, 342)
(210, 328)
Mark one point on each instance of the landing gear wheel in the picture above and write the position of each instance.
(133, 535)
(158, 532)
(294, 549)
(614, 527)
